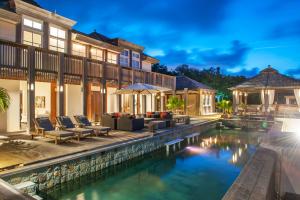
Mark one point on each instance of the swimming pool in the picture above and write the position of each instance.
(203, 170)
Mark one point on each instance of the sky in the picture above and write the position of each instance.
(241, 37)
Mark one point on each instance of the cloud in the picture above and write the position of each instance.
(233, 57)
(295, 72)
(244, 72)
(285, 30)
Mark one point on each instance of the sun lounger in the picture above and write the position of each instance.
(65, 123)
(44, 128)
(83, 120)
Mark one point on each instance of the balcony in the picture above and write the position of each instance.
(16, 60)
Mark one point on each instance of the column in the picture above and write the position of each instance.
(30, 89)
(60, 86)
(185, 100)
(162, 105)
(103, 96)
(119, 97)
(84, 81)
(266, 101)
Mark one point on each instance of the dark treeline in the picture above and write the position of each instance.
(211, 77)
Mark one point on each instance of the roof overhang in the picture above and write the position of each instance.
(125, 44)
(91, 41)
(33, 11)
(9, 16)
(149, 59)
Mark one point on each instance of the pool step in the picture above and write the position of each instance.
(192, 136)
(27, 187)
(173, 143)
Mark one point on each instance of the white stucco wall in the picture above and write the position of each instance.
(112, 100)
(7, 31)
(73, 97)
(146, 66)
(10, 120)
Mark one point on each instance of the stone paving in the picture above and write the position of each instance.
(21, 150)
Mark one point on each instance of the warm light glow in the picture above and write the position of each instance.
(196, 150)
(61, 89)
(32, 87)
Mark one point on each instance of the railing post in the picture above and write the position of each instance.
(84, 86)
(60, 86)
(30, 89)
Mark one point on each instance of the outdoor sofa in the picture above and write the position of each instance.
(84, 122)
(110, 120)
(44, 127)
(65, 123)
(130, 123)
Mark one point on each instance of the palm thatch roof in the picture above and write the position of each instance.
(269, 78)
(186, 82)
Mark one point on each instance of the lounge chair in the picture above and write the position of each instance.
(83, 121)
(44, 127)
(65, 123)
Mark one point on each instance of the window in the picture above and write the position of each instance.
(32, 24)
(32, 39)
(78, 50)
(57, 39)
(97, 54)
(124, 58)
(112, 58)
(135, 60)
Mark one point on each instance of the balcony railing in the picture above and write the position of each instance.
(15, 60)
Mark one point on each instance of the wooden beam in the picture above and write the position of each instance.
(84, 81)
(60, 86)
(30, 89)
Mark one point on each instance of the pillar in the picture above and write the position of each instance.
(119, 97)
(30, 89)
(84, 81)
(60, 86)
(185, 100)
(162, 105)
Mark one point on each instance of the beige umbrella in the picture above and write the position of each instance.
(141, 88)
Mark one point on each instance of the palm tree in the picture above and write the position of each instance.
(225, 106)
(4, 100)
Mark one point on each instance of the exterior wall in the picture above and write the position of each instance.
(47, 175)
(112, 100)
(73, 99)
(7, 31)
(41, 90)
(10, 120)
(146, 66)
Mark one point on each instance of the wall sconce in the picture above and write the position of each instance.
(31, 87)
(61, 88)
(246, 94)
(241, 93)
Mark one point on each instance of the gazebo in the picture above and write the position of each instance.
(267, 92)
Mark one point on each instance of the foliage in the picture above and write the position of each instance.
(211, 77)
(174, 103)
(225, 106)
(4, 100)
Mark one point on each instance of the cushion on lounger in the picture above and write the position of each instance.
(84, 120)
(66, 121)
(60, 133)
(99, 128)
(80, 130)
(45, 123)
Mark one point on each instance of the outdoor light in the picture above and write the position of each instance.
(246, 94)
(61, 88)
(31, 86)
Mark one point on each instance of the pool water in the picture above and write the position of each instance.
(204, 170)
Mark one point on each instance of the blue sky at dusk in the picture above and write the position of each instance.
(240, 36)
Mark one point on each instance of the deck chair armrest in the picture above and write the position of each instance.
(60, 127)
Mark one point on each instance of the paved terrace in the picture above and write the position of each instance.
(21, 150)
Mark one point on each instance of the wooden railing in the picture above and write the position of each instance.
(14, 64)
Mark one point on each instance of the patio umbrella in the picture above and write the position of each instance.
(141, 88)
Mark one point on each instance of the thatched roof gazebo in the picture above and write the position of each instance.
(274, 92)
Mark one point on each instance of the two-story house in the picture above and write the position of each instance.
(50, 69)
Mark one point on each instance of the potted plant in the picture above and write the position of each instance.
(225, 107)
(174, 104)
(4, 100)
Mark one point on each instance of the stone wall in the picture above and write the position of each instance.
(257, 180)
(247, 124)
(51, 173)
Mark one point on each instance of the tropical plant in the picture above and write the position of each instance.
(225, 106)
(174, 103)
(4, 100)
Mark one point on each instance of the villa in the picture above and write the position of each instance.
(50, 69)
